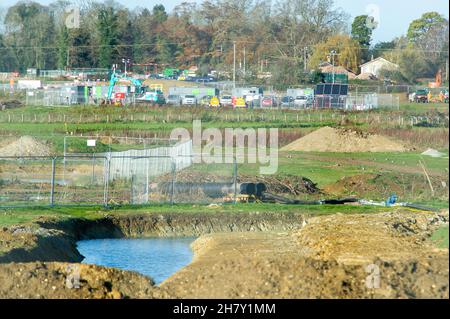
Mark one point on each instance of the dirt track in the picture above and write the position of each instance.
(324, 257)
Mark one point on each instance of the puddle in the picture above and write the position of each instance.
(158, 258)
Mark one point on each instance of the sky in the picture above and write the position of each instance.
(393, 16)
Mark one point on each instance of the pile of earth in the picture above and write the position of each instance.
(359, 239)
(345, 140)
(63, 280)
(329, 257)
(25, 146)
(287, 185)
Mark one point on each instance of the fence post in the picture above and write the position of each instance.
(132, 188)
(52, 191)
(172, 188)
(106, 188)
(235, 180)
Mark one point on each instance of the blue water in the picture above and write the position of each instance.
(158, 258)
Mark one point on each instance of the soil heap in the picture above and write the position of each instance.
(25, 146)
(344, 140)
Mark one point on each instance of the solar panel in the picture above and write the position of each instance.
(336, 88)
(344, 89)
(319, 89)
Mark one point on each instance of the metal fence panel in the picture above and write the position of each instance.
(25, 181)
(79, 180)
(205, 183)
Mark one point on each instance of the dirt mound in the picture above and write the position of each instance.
(25, 146)
(344, 140)
(359, 239)
(287, 185)
(59, 280)
(327, 258)
(11, 104)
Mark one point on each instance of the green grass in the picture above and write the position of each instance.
(27, 215)
(440, 237)
(420, 108)
(323, 169)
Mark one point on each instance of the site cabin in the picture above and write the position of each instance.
(249, 93)
(300, 92)
(198, 92)
(171, 73)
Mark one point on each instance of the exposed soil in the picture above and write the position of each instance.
(55, 240)
(344, 140)
(80, 281)
(244, 255)
(25, 146)
(287, 185)
(10, 104)
(325, 261)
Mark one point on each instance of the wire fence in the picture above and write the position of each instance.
(68, 96)
(326, 116)
(91, 180)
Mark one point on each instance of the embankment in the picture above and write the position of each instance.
(55, 240)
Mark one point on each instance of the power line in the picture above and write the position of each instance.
(142, 45)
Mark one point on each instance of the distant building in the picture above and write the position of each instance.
(375, 66)
(328, 68)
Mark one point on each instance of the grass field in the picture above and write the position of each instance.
(339, 173)
(440, 237)
(25, 215)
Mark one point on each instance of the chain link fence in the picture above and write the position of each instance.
(90, 180)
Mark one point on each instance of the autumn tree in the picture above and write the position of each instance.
(347, 49)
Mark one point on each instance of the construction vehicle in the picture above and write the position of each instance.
(437, 82)
(421, 96)
(239, 103)
(443, 96)
(153, 97)
(214, 102)
(116, 77)
(170, 73)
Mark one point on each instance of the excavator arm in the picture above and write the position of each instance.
(112, 82)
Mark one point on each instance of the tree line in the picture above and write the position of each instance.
(289, 38)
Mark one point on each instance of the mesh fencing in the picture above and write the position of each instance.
(89, 180)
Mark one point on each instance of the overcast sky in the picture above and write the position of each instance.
(394, 15)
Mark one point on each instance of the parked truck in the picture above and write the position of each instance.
(251, 95)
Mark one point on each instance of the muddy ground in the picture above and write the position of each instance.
(241, 256)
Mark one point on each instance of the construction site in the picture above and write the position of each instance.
(183, 182)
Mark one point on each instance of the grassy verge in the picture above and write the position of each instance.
(440, 237)
(27, 215)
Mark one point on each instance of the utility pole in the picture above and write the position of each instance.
(126, 61)
(332, 55)
(305, 58)
(234, 64)
(446, 70)
(244, 62)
